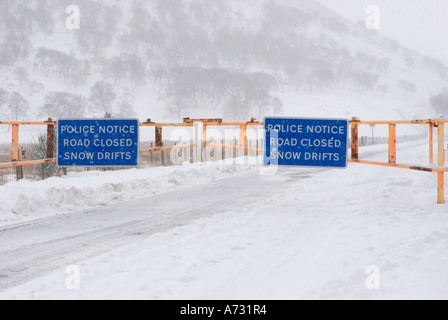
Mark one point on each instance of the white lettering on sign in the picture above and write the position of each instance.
(286, 128)
(307, 139)
(325, 129)
(114, 156)
(112, 142)
(286, 155)
(79, 156)
(321, 156)
(117, 129)
(101, 129)
(309, 129)
(102, 142)
(324, 143)
(76, 143)
(284, 142)
(78, 130)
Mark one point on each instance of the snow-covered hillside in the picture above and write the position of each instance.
(201, 58)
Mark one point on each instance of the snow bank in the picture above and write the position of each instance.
(28, 200)
(316, 236)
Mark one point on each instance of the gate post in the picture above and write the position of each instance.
(198, 142)
(441, 163)
(15, 143)
(159, 142)
(355, 141)
(243, 135)
(392, 143)
(243, 138)
(50, 140)
(15, 151)
(431, 143)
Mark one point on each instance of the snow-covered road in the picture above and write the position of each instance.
(32, 249)
(365, 233)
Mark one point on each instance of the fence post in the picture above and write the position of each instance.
(15, 151)
(204, 135)
(204, 156)
(159, 142)
(441, 163)
(243, 136)
(431, 143)
(198, 142)
(355, 141)
(50, 140)
(223, 150)
(15, 143)
(392, 143)
(152, 154)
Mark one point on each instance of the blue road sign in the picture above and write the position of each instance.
(98, 143)
(306, 142)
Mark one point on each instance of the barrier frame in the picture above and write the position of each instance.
(440, 170)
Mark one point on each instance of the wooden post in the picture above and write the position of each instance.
(441, 144)
(441, 163)
(50, 145)
(204, 135)
(15, 151)
(223, 150)
(50, 140)
(431, 143)
(15, 143)
(355, 141)
(159, 137)
(198, 141)
(392, 143)
(159, 142)
(440, 188)
(243, 136)
(243, 139)
(152, 154)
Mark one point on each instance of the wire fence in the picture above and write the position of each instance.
(371, 141)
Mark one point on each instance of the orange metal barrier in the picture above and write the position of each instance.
(243, 135)
(26, 163)
(159, 135)
(17, 162)
(439, 124)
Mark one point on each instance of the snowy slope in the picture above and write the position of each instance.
(386, 100)
(300, 234)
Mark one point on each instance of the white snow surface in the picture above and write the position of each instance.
(235, 234)
(26, 200)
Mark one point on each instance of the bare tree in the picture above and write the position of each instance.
(18, 105)
(102, 97)
(125, 105)
(65, 66)
(59, 105)
(21, 75)
(440, 102)
(3, 98)
(44, 19)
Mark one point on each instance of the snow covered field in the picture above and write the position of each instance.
(226, 232)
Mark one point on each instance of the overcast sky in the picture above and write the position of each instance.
(418, 24)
